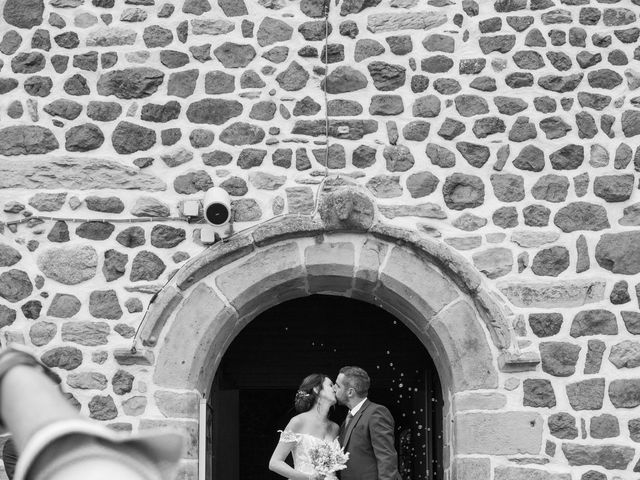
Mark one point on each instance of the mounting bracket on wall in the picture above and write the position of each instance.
(216, 212)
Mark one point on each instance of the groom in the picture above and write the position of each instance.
(367, 432)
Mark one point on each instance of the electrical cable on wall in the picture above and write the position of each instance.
(102, 220)
(320, 185)
(188, 219)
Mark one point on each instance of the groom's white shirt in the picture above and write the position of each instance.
(355, 409)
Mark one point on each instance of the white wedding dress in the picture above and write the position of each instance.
(300, 451)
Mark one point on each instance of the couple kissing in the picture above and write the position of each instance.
(362, 448)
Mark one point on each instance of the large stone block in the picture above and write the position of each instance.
(27, 140)
(545, 324)
(124, 356)
(201, 330)
(552, 295)
(595, 350)
(330, 266)
(587, 394)
(211, 27)
(273, 30)
(147, 266)
(552, 188)
(69, 266)
(343, 80)
(356, 6)
(137, 82)
(390, 22)
(242, 133)
(480, 401)
(67, 358)
(521, 473)
(611, 457)
(477, 155)
(87, 380)
(413, 285)
(559, 358)
(40, 333)
(134, 406)
(233, 55)
(342, 129)
(105, 304)
(464, 341)
(271, 275)
(216, 257)
(111, 36)
(372, 255)
(385, 186)
(605, 426)
(15, 285)
(504, 433)
(7, 316)
(86, 333)
(538, 392)
(498, 43)
(122, 382)
(581, 216)
(625, 354)
(387, 77)
(562, 425)
(634, 428)
(614, 188)
(594, 322)
(471, 468)
(102, 407)
(157, 315)
(470, 105)
(625, 393)
(463, 191)
(177, 405)
(347, 209)
(23, 13)
(551, 261)
(631, 322)
(494, 262)
(183, 83)
(129, 138)
(619, 253)
(528, 239)
(9, 256)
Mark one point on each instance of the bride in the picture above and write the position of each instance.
(313, 400)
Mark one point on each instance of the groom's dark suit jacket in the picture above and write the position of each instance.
(369, 441)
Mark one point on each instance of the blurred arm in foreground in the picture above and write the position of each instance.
(55, 442)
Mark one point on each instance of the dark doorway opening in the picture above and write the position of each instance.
(252, 394)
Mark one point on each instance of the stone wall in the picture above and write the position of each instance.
(502, 128)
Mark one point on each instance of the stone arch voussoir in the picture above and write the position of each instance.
(429, 287)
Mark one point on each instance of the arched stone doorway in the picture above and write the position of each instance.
(252, 393)
(429, 288)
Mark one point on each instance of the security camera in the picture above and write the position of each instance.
(216, 208)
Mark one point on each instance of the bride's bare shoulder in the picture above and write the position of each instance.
(296, 423)
(335, 429)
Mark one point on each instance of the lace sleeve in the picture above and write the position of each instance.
(287, 436)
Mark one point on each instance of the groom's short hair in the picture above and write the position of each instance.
(357, 379)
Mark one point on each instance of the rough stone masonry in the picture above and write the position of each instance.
(506, 129)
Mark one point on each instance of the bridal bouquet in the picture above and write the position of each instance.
(328, 458)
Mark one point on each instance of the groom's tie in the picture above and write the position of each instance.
(347, 420)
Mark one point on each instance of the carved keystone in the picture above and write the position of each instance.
(347, 209)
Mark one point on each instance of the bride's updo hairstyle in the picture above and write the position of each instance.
(306, 396)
